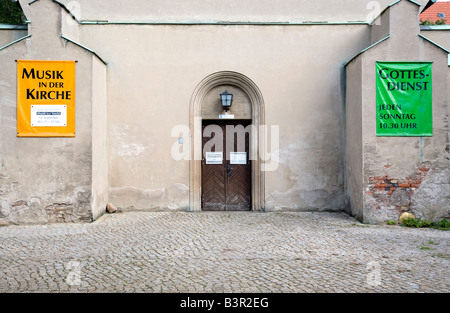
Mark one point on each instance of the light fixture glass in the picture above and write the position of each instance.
(226, 99)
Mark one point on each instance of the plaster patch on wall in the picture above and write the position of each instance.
(425, 193)
(305, 200)
(310, 168)
(135, 198)
(23, 212)
(131, 150)
(309, 177)
(432, 200)
(181, 206)
(132, 198)
(47, 209)
(122, 145)
(132, 191)
(182, 188)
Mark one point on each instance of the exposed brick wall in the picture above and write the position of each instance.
(395, 192)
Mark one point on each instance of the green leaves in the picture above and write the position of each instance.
(418, 223)
(11, 13)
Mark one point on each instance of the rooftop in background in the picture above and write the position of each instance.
(439, 11)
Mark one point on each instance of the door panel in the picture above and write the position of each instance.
(214, 188)
(239, 176)
(213, 179)
(227, 186)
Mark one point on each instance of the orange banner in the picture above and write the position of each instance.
(45, 98)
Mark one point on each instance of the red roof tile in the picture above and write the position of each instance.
(432, 12)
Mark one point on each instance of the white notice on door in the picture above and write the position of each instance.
(238, 157)
(48, 115)
(214, 157)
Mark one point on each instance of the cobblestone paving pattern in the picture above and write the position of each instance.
(215, 252)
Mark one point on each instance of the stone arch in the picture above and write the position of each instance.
(252, 91)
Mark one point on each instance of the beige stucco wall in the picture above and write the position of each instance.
(158, 52)
(380, 27)
(423, 160)
(154, 70)
(99, 138)
(441, 36)
(437, 34)
(287, 11)
(353, 139)
(9, 34)
(48, 179)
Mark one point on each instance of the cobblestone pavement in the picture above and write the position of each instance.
(223, 252)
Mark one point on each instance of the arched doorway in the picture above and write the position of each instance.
(199, 115)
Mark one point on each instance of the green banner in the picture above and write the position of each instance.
(404, 99)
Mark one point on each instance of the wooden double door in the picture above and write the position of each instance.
(226, 166)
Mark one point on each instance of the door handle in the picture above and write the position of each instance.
(229, 168)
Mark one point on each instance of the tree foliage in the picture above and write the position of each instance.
(438, 22)
(11, 12)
